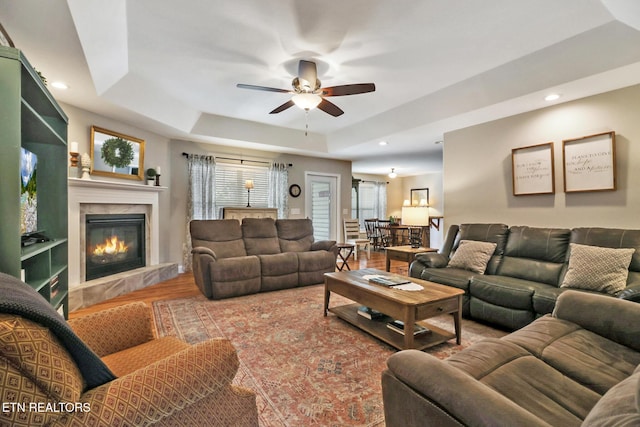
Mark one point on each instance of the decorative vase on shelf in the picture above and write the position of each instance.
(85, 161)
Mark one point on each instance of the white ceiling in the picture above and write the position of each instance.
(172, 66)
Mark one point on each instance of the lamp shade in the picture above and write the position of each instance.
(415, 215)
(248, 184)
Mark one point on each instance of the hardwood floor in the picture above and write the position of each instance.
(184, 286)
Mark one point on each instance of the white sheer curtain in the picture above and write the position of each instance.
(200, 198)
(278, 187)
(380, 202)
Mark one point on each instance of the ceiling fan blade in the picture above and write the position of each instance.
(307, 71)
(283, 107)
(353, 89)
(330, 108)
(265, 88)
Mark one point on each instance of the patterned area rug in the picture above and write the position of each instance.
(306, 369)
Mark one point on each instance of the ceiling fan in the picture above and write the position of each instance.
(308, 93)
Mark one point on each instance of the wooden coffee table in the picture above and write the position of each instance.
(409, 306)
(404, 253)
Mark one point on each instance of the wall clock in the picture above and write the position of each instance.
(295, 190)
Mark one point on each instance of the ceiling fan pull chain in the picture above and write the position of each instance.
(306, 122)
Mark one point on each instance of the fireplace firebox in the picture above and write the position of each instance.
(114, 243)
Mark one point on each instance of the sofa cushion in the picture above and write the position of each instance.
(472, 255)
(505, 291)
(295, 235)
(588, 358)
(260, 236)
(279, 271)
(233, 277)
(506, 317)
(133, 358)
(535, 254)
(620, 406)
(313, 265)
(526, 380)
(223, 237)
(610, 238)
(455, 277)
(496, 233)
(597, 269)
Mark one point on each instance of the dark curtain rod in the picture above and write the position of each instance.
(239, 160)
(375, 182)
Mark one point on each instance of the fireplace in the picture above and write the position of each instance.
(114, 243)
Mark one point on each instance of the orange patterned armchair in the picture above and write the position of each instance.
(159, 381)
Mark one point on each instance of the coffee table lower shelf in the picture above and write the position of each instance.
(379, 329)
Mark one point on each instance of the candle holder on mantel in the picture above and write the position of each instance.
(74, 170)
(74, 159)
(157, 180)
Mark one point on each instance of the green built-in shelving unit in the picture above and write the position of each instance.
(31, 118)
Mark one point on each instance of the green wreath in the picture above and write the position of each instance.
(117, 152)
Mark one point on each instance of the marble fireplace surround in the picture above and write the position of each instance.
(104, 197)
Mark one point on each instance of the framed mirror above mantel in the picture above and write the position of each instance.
(116, 155)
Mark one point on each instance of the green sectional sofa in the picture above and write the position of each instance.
(520, 271)
(261, 254)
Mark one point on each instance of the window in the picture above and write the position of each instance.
(373, 201)
(230, 189)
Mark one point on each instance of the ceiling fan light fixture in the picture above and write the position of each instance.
(306, 101)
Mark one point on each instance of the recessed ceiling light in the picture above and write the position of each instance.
(551, 97)
(60, 85)
(383, 143)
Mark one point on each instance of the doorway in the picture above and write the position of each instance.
(322, 204)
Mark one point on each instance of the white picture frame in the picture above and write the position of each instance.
(589, 163)
(532, 170)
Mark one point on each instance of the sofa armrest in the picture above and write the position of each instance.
(612, 318)
(119, 328)
(444, 388)
(432, 259)
(201, 250)
(325, 245)
(202, 257)
(630, 293)
(157, 391)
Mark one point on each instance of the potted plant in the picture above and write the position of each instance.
(151, 176)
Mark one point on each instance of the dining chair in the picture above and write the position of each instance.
(373, 234)
(352, 235)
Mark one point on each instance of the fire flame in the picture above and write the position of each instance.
(112, 245)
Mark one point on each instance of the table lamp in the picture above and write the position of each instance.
(416, 216)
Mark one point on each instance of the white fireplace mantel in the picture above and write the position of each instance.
(96, 192)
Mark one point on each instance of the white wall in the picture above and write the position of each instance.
(477, 166)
